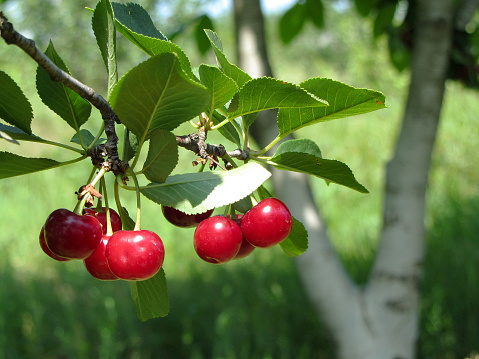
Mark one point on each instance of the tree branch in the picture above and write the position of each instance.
(110, 149)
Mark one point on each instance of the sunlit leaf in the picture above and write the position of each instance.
(233, 71)
(344, 101)
(194, 193)
(157, 94)
(266, 93)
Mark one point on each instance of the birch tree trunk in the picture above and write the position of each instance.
(380, 320)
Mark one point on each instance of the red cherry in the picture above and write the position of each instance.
(101, 216)
(181, 219)
(246, 248)
(217, 239)
(135, 255)
(70, 235)
(267, 224)
(96, 263)
(47, 251)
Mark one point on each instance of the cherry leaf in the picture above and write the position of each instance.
(103, 24)
(150, 297)
(298, 159)
(14, 105)
(344, 101)
(266, 93)
(233, 71)
(15, 165)
(157, 94)
(162, 156)
(297, 241)
(194, 193)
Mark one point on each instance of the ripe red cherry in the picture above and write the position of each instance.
(47, 250)
(101, 216)
(135, 255)
(70, 235)
(246, 248)
(266, 224)
(96, 263)
(217, 239)
(181, 219)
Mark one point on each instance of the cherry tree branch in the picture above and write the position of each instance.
(110, 148)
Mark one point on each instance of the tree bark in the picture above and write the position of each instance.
(380, 320)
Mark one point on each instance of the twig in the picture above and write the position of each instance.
(110, 149)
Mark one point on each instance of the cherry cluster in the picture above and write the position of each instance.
(128, 255)
(219, 239)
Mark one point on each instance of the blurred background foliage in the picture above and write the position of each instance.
(254, 308)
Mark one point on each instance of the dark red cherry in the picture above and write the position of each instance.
(70, 235)
(181, 219)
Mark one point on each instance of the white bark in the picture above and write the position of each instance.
(379, 321)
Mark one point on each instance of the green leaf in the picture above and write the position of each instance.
(87, 138)
(194, 193)
(267, 93)
(134, 23)
(228, 130)
(293, 159)
(315, 12)
(291, 23)
(162, 156)
(157, 94)
(297, 241)
(135, 18)
(15, 108)
(127, 224)
(20, 135)
(238, 75)
(344, 101)
(302, 145)
(201, 39)
(103, 24)
(384, 19)
(222, 87)
(151, 297)
(130, 145)
(12, 165)
(62, 100)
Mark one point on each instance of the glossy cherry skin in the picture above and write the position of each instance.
(181, 219)
(47, 250)
(101, 216)
(70, 235)
(267, 224)
(246, 247)
(217, 239)
(96, 263)
(135, 255)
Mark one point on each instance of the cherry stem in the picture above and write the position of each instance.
(109, 229)
(79, 206)
(99, 176)
(138, 201)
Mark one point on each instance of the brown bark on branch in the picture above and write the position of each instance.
(109, 149)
